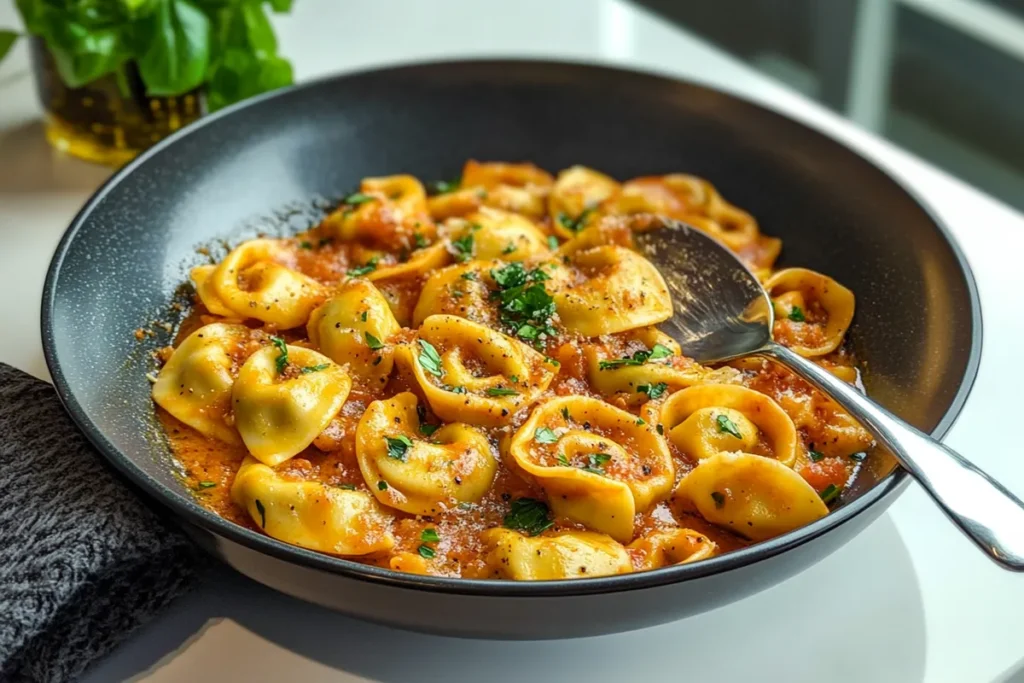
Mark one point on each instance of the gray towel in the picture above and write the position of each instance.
(82, 560)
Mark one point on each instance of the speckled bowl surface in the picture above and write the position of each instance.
(273, 164)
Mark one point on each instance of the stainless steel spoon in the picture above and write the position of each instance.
(723, 313)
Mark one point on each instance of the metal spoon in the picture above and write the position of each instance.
(722, 312)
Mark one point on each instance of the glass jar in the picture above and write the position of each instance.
(110, 120)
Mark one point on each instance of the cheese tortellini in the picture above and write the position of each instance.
(280, 407)
(470, 373)
(753, 496)
(566, 555)
(619, 290)
(310, 514)
(195, 384)
(465, 378)
(253, 281)
(421, 476)
(598, 465)
(708, 419)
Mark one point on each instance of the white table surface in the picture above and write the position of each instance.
(907, 600)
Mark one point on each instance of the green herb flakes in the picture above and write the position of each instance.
(545, 435)
(528, 515)
(366, 268)
(282, 354)
(429, 359)
(727, 426)
(398, 446)
(371, 341)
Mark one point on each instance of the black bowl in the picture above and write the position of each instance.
(260, 166)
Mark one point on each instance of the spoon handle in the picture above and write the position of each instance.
(984, 510)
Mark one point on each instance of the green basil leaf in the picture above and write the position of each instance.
(178, 51)
(83, 54)
(281, 5)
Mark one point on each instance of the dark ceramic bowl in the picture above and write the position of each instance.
(260, 166)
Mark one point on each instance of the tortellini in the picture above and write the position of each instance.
(252, 282)
(458, 290)
(566, 555)
(750, 495)
(195, 384)
(673, 546)
(577, 190)
(280, 407)
(707, 419)
(495, 234)
(620, 290)
(820, 307)
(470, 373)
(353, 328)
(520, 188)
(421, 476)
(598, 465)
(663, 372)
(387, 213)
(310, 514)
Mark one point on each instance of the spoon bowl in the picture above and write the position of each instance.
(721, 312)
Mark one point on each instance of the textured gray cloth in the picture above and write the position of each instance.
(82, 560)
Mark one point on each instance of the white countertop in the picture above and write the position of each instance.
(907, 600)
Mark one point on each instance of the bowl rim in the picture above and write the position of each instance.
(191, 512)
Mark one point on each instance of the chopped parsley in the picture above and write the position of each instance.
(596, 463)
(306, 245)
(429, 536)
(514, 379)
(426, 551)
(263, 513)
(206, 484)
(457, 389)
(859, 457)
(524, 305)
(653, 390)
(830, 493)
(638, 358)
(640, 422)
(545, 435)
(575, 224)
(382, 485)
(661, 429)
(419, 240)
(509, 249)
(552, 242)
(363, 316)
(815, 456)
(427, 429)
(528, 515)
(347, 487)
(501, 391)
(562, 460)
(314, 368)
(398, 446)
(719, 499)
(468, 276)
(727, 426)
(282, 354)
(796, 314)
(565, 413)
(444, 186)
(368, 267)
(463, 247)
(429, 359)
(372, 342)
(357, 198)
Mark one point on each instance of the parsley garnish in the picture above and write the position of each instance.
(363, 316)
(510, 248)
(263, 513)
(565, 413)
(372, 341)
(719, 499)
(501, 391)
(661, 429)
(596, 463)
(552, 242)
(545, 435)
(419, 240)
(830, 493)
(796, 314)
(463, 247)
(314, 368)
(282, 354)
(528, 515)
(429, 536)
(468, 276)
(638, 358)
(525, 306)
(397, 446)
(382, 485)
(458, 389)
(815, 456)
(347, 487)
(653, 390)
(207, 484)
(444, 186)
(640, 422)
(429, 360)
(368, 267)
(562, 460)
(575, 224)
(726, 426)
(306, 245)
(427, 430)
(426, 551)
(357, 198)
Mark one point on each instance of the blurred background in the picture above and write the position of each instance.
(941, 78)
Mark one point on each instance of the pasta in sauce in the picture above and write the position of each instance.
(473, 384)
